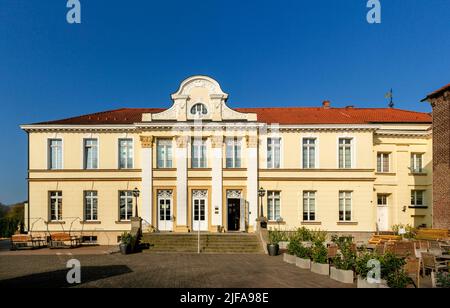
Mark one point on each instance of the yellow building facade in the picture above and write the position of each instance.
(201, 165)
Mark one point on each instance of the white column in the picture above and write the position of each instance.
(252, 179)
(147, 179)
(217, 179)
(182, 204)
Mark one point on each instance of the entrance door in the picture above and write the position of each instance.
(234, 214)
(165, 222)
(200, 210)
(382, 218)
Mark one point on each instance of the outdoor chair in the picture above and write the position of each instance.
(429, 262)
(404, 249)
(379, 249)
(412, 269)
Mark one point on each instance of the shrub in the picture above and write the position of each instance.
(319, 253)
(275, 236)
(411, 232)
(293, 247)
(443, 280)
(361, 267)
(346, 258)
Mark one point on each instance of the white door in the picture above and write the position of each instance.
(165, 221)
(382, 218)
(200, 210)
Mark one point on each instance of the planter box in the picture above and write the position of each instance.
(341, 275)
(289, 258)
(321, 269)
(364, 284)
(303, 263)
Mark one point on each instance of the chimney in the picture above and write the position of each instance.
(326, 104)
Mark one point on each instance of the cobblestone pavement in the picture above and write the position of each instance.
(160, 271)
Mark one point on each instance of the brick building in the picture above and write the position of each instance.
(440, 101)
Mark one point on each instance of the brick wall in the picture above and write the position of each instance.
(441, 161)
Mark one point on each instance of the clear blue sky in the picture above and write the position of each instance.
(134, 53)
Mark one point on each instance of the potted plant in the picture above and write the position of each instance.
(126, 243)
(366, 272)
(392, 271)
(292, 249)
(303, 257)
(344, 262)
(273, 247)
(319, 254)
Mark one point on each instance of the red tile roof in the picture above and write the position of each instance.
(286, 116)
(437, 92)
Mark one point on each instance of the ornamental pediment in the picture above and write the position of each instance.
(199, 98)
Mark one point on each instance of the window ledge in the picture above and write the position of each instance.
(311, 223)
(55, 222)
(418, 174)
(274, 222)
(165, 169)
(123, 222)
(385, 173)
(418, 207)
(347, 223)
(93, 222)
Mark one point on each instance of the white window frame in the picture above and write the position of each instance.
(234, 143)
(90, 197)
(280, 163)
(414, 194)
(308, 146)
(49, 154)
(85, 163)
(128, 149)
(271, 195)
(128, 196)
(194, 144)
(345, 198)
(414, 158)
(352, 152)
(309, 195)
(166, 143)
(57, 197)
(382, 160)
(385, 197)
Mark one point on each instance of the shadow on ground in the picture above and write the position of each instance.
(57, 279)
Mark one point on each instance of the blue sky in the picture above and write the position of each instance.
(264, 53)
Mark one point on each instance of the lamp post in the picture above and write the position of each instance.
(136, 194)
(261, 194)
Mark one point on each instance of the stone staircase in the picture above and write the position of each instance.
(209, 243)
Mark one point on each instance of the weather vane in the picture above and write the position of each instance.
(390, 95)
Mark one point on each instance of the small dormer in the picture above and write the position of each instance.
(199, 98)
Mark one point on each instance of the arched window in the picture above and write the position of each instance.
(199, 109)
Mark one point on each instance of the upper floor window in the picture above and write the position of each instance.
(345, 153)
(55, 205)
(164, 154)
(309, 153)
(233, 153)
(55, 154)
(273, 205)
(198, 153)
(383, 162)
(90, 206)
(90, 153)
(273, 153)
(309, 206)
(416, 162)
(345, 206)
(125, 153)
(199, 110)
(417, 198)
(125, 205)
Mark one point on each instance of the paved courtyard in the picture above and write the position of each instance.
(157, 271)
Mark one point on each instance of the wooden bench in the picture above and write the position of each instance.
(25, 241)
(64, 240)
(380, 239)
(432, 234)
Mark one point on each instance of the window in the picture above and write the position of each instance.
(55, 154)
(126, 205)
(417, 198)
(416, 163)
(233, 153)
(345, 153)
(382, 200)
(55, 205)
(273, 205)
(90, 153)
(383, 162)
(273, 153)
(345, 206)
(164, 153)
(125, 153)
(309, 153)
(90, 206)
(309, 206)
(199, 110)
(198, 154)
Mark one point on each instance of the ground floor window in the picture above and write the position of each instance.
(273, 205)
(125, 205)
(309, 206)
(55, 205)
(90, 206)
(345, 206)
